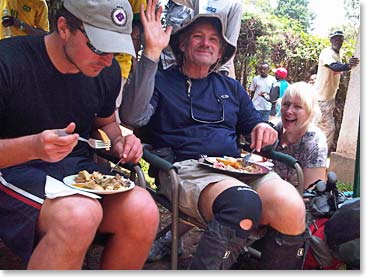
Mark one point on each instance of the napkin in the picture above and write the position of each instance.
(55, 188)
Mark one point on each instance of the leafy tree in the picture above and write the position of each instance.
(296, 9)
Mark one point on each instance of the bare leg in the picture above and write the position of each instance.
(67, 227)
(132, 217)
(283, 207)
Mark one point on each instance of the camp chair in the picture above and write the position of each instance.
(176, 216)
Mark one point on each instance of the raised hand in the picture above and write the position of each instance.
(155, 38)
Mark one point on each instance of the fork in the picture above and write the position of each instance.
(247, 157)
(94, 143)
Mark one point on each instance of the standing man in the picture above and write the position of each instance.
(260, 88)
(327, 82)
(25, 17)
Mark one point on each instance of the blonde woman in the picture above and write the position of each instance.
(299, 136)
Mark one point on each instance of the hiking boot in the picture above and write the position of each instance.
(161, 248)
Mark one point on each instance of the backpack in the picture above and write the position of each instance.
(342, 233)
(318, 254)
(327, 225)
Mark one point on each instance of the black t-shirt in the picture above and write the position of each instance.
(35, 96)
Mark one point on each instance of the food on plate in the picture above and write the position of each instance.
(230, 162)
(98, 181)
(104, 137)
(233, 164)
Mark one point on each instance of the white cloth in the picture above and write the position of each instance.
(55, 188)
(261, 84)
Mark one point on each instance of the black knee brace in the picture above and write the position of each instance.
(235, 204)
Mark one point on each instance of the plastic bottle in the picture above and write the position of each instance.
(7, 30)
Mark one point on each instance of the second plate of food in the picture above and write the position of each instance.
(233, 166)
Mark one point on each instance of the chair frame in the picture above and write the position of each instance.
(176, 216)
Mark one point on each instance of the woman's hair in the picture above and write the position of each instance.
(307, 95)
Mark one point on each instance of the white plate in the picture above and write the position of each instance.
(70, 180)
(209, 162)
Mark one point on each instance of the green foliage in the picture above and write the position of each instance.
(344, 187)
(297, 10)
(145, 167)
(280, 41)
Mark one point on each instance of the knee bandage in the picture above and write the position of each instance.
(236, 204)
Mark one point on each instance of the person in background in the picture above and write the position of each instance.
(231, 13)
(25, 17)
(277, 91)
(192, 110)
(46, 103)
(327, 81)
(299, 136)
(259, 88)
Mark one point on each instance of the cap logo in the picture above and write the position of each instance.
(118, 16)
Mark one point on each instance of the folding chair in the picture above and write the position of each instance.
(177, 216)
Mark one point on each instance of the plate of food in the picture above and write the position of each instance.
(233, 166)
(98, 183)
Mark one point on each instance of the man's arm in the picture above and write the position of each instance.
(135, 110)
(339, 67)
(47, 146)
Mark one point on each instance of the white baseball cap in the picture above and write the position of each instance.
(108, 23)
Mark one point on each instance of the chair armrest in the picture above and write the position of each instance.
(157, 161)
(280, 157)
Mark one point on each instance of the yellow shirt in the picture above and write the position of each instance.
(33, 13)
(123, 59)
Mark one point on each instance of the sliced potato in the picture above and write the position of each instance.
(104, 137)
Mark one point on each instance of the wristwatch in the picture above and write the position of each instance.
(21, 26)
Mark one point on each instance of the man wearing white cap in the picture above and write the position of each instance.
(72, 86)
(327, 81)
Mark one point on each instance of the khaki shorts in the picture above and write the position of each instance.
(192, 180)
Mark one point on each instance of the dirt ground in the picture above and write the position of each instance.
(9, 261)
